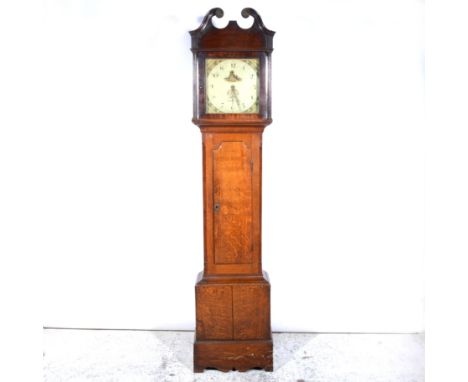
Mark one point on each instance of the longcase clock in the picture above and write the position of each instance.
(232, 106)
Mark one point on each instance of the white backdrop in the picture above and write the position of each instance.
(116, 164)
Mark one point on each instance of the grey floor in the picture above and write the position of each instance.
(159, 356)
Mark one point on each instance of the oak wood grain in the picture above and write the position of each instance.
(232, 210)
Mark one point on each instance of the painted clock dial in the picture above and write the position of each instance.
(232, 85)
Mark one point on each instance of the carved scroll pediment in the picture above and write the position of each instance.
(207, 37)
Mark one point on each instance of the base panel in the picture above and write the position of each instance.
(233, 355)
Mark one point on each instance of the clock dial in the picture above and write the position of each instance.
(232, 85)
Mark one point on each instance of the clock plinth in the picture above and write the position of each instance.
(232, 108)
(233, 324)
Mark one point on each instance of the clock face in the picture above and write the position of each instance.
(232, 85)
